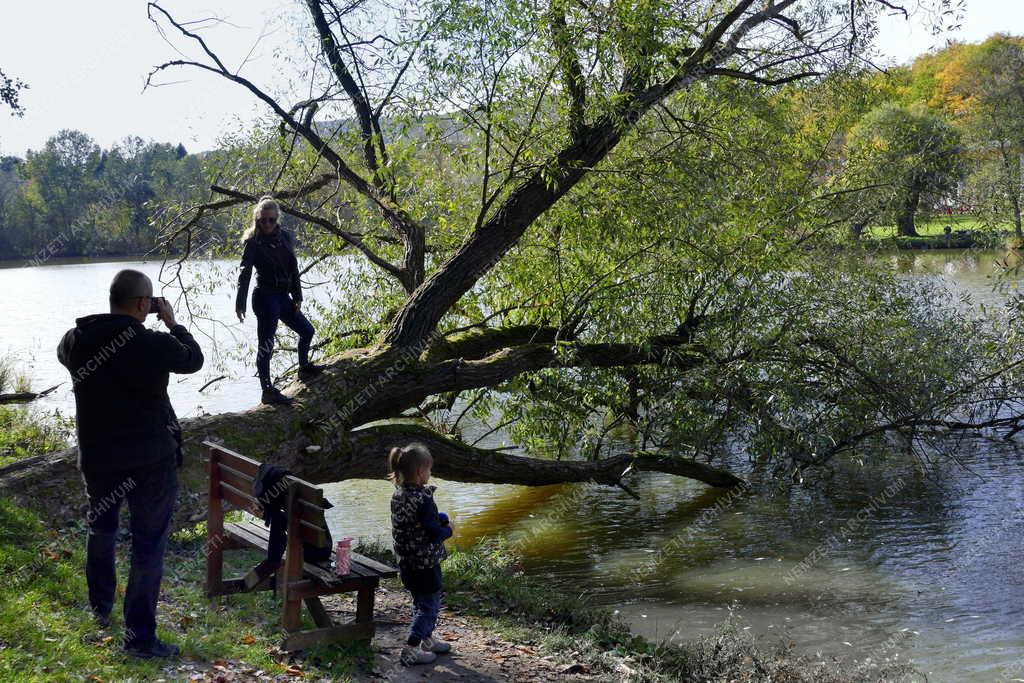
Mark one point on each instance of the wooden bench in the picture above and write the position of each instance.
(296, 581)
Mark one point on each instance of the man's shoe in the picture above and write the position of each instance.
(416, 655)
(310, 370)
(100, 619)
(157, 648)
(273, 396)
(436, 645)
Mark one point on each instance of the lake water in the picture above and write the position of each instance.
(886, 564)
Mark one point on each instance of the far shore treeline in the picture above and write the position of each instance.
(937, 140)
(72, 198)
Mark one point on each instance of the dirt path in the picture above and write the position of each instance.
(478, 655)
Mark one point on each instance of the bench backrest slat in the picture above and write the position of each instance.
(240, 481)
(239, 499)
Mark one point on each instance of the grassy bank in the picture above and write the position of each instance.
(47, 632)
(967, 232)
(23, 431)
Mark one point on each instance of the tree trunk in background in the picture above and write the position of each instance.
(905, 218)
(1016, 216)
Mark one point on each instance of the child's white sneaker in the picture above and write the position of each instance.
(436, 645)
(416, 655)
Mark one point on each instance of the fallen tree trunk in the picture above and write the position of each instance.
(25, 396)
(319, 437)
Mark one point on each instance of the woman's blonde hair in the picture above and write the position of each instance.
(265, 202)
(406, 462)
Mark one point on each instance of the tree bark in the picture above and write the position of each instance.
(1016, 216)
(905, 218)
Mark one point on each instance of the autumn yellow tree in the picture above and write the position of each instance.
(982, 86)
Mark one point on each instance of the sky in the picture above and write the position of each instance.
(86, 64)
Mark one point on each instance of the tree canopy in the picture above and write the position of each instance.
(905, 153)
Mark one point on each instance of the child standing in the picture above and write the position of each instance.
(419, 532)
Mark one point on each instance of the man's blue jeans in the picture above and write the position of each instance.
(425, 608)
(150, 492)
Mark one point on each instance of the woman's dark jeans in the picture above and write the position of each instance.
(150, 492)
(270, 307)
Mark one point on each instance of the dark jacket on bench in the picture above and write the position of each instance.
(272, 494)
(119, 372)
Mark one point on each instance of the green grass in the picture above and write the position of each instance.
(47, 633)
(23, 433)
(11, 380)
(935, 226)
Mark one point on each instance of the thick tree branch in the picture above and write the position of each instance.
(492, 240)
(455, 460)
(364, 113)
(572, 73)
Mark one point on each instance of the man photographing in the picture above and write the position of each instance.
(129, 445)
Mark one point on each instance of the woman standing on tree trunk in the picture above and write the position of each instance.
(278, 293)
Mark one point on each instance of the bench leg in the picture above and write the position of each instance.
(291, 615)
(214, 529)
(214, 573)
(364, 604)
(320, 615)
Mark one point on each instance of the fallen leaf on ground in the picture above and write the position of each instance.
(248, 640)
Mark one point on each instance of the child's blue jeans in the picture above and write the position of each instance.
(425, 608)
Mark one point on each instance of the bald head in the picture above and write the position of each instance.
(125, 290)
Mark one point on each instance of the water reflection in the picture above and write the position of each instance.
(931, 573)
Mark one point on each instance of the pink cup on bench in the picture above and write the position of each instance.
(342, 552)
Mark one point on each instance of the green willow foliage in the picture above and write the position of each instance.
(710, 223)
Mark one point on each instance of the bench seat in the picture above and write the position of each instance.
(254, 534)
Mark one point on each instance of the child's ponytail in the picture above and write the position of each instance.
(404, 463)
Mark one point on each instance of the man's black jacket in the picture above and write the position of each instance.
(119, 371)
